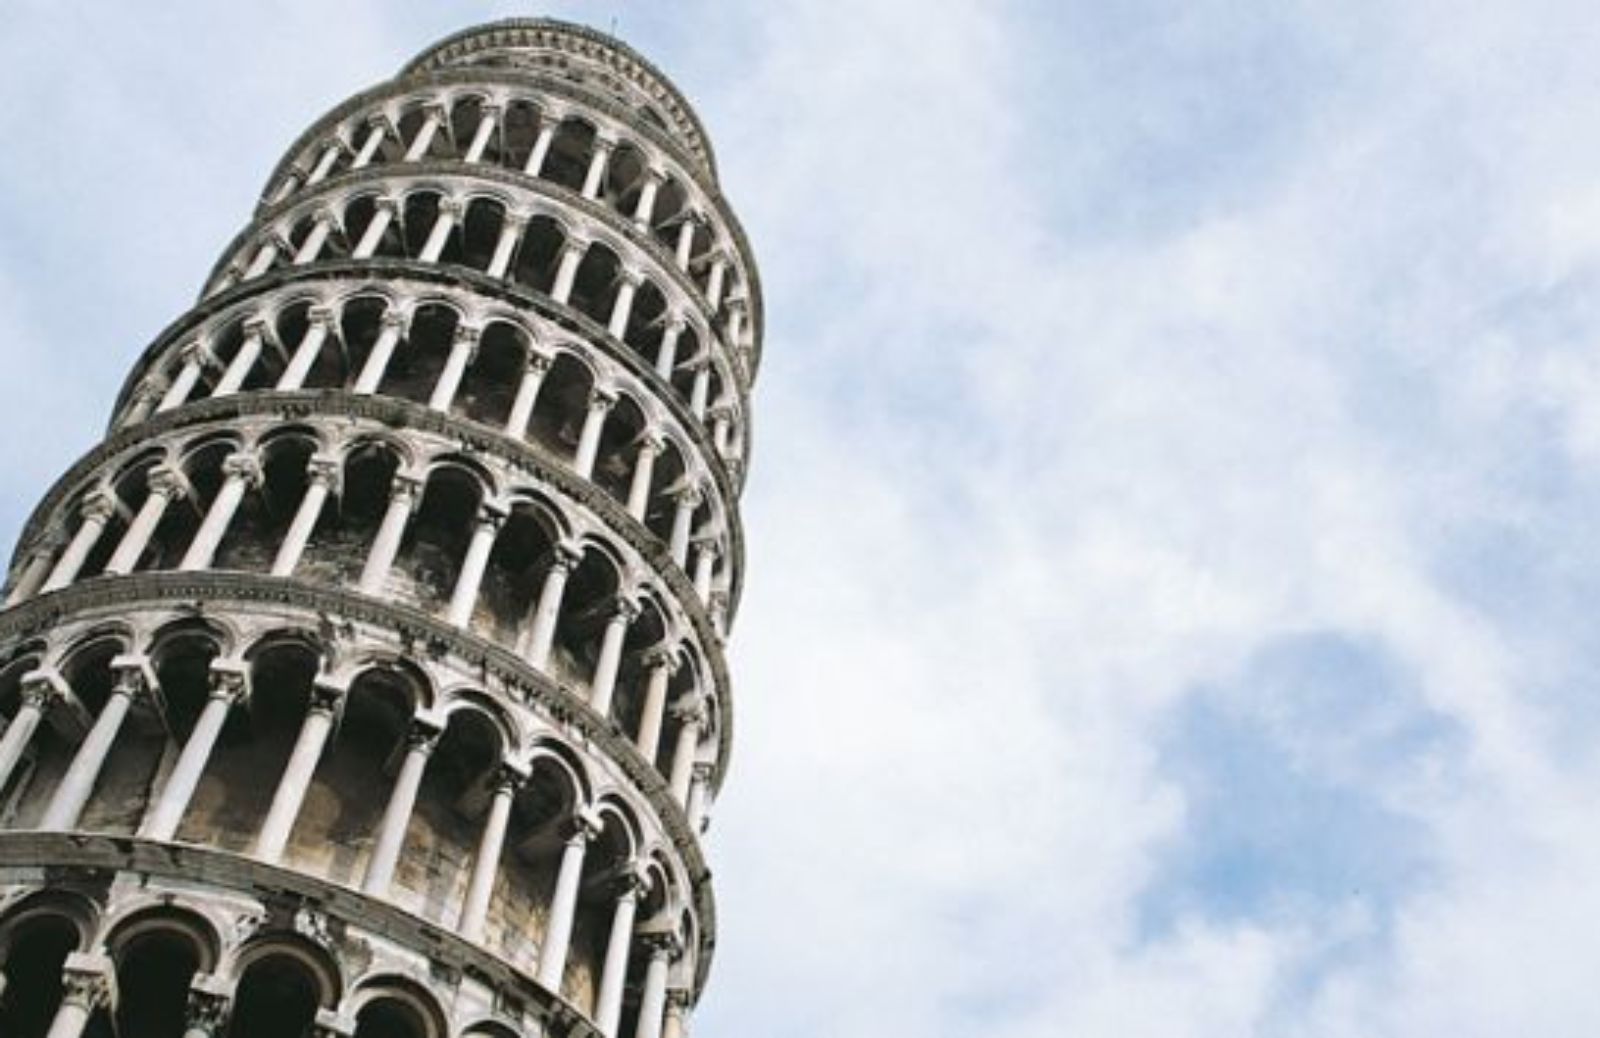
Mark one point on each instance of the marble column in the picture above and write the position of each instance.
(326, 222)
(132, 678)
(320, 323)
(393, 325)
(462, 349)
(601, 400)
(538, 365)
(667, 353)
(541, 147)
(384, 212)
(434, 118)
(421, 739)
(165, 485)
(377, 130)
(687, 500)
(229, 683)
(567, 273)
(603, 683)
(486, 865)
(241, 472)
(93, 515)
(87, 982)
(622, 307)
(244, 360)
(404, 494)
(645, 210)
(661, 662)
(450, 212)
(595, 177)
(662, 948)
(564, 903)
(505, 247)
(691, 720)
(547, 611)
(465, 595)
(322, 479)
(39, 690)
(644, 465)
(195, 357)
(614, 974)
(297, 774)
(488, 120)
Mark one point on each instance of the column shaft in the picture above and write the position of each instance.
(563, 909)
(608, 1003)
(465, 595)
(545, 614)
(653, 1000)
(604, 681)
(397, 816)
(297, 775)
(77, 553)
(77, 785)
(455, 367)
(527, 396)
(304, 523)
(683, 760)
(541, 149)
(654, 710)
(305, 355)
(644, 467)
(19, 732)
(240, 366)
(386, 545)
(164, 818)
(486, 866)
(378, 360)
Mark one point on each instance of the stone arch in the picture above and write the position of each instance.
(594, 289)
(436, 539)
(591, 593)
(570, 151)
(37, 933)
(522, 552)
(158, 950)
(539, 254)
(393, 1006)
(563, 402)
(490, 384)
(419, 358)
(625, 426)
(282, 979)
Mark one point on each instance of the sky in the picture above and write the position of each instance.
(1169, 607)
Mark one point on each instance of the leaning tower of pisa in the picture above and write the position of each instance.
(368, 679)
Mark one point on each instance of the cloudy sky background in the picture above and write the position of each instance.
(1172, 569)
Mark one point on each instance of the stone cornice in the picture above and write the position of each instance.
(59, 855)
(500, 669)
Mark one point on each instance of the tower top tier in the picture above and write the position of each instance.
(581, 56)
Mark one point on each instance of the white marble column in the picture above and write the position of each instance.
(270, 249)
(31, 576)
(206, 1012)
(622, 308)
(450, 212)
(541, 147)
(714, 285)
(421, 739)
(614, 974)
(462, 349)
(547, 612)
(505, 247)
(667, 352)
(736, 314)
(144, 402)
(564, 903)
(404, 494)
(132, 678)
(326, 222)
(377, 129)
(684, 254)
(691, 720)
(662, 948)
(688, 500)
(244, 360)
(291, 181)
(603, 683)
(297, 774)
(384, 212)
(229, 683)
(319, 324)
(594, 179)
(645, 210)
(486, 865)
(676, 1023)
(694, 806)
(644, 467)
(538, 365)
(322, 478)
(39, 690)
(662, 661)
(330, 155)
(434, 118)
(700, 392)
(567, 273)
(705, 560)
(86, 984)
(195, 358)
(601, 400)
(93, 515)
(721, 423)
(393, 326)
(488, 121)
(240, 473)
(464, 597)
(165, 484)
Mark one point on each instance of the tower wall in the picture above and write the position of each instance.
(368, 677)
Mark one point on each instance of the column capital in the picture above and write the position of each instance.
(132, 673)
(386, 203)
(376, 121)
(492, 514)
(407, 487)
(230, 680)
(626, 608)
(517, 218)
(434, 109)
(689, 496)
(605, 140)
(395, 318)
(689, 710)
(327, 695)
(467, 333)
(676, 321)
(327, 214)
(321, 314)
(566, 556)
(702, 770)
(243, 465)
(87, 981)
(577, 243)
(208, 1005)
(633, 277)
(653, 441)
(665, 655)
(508, 777)
(708, 546)
(422, 735)
(493, 106)
(324, 469)
(584, 825)
(254, 326)
(538, 362)
(678, 1000)
(662, 944)
(167, 480)
(99, 505)
(329, 1024)
(602, 398)
(452, 206)
(42, 687)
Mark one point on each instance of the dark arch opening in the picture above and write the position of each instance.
(37, 951)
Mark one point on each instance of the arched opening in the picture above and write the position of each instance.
(594, 291)
(154, 969)
(539, 254)
(337, 823)
(541, 817)
(480, 232)
(619, 447)
(22, 662)
(360, 324)
(669, 473)
(201, 466)
(465, 116)
(36, 948)
(237, 786)
(445, 827)
(515, 574)
(563, 403)
(520, 129)
(625, 172)
(278, 997)
(568, 161)
(610, 855)
(437, 536)
(264, 513)
(490, 383)
(420, 357)
(590, 598)
(418, 214)
(87, 673)
(646, 632)
(666, 220)
(348, 525)
(646, 321)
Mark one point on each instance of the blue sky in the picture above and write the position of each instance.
(1171, 557)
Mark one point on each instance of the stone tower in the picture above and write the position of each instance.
(368, 678)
